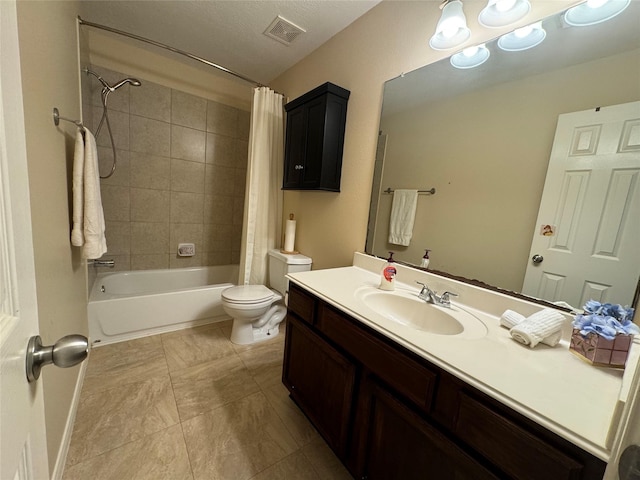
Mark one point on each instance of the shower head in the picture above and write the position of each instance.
(133, 81)
(108, 88)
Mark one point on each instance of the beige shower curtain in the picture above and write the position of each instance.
(262, 222)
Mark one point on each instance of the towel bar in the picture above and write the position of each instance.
(431, 191)
(57, 117)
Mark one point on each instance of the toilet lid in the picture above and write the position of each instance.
(247, 294)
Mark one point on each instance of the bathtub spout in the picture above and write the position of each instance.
(102, 263)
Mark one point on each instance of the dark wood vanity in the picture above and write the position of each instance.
(388, 413)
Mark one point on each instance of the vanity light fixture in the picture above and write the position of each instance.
(523, 38)
(499, 13)
(452, 29)
(470, 57)
(594, 11)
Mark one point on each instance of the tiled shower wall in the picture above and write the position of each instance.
(180, 175)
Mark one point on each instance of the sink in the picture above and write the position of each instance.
(405, 308)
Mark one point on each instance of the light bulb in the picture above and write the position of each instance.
(470, 57)
(452, 29)
(594, 11)
(523, 32)
(470, 52)
(523, 38)
(596, 3)
(499, 13)
(449, 30)
(506, 5)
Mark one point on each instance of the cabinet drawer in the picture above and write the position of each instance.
(407, 376)
(302, 304)
(518, 452)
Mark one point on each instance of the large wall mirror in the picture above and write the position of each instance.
(483, 137)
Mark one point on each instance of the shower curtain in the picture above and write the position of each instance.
(262, 222)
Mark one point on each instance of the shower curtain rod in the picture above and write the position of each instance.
(172, 49)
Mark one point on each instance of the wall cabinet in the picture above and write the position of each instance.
(390, 414)
(314, 139)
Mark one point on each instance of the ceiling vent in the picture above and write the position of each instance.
(283, 30)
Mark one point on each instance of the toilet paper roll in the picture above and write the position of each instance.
(289, 236)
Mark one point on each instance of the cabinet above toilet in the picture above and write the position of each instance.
(315, 138)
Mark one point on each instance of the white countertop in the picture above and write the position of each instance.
(549, 385)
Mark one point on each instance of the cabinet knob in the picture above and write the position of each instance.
(299, 167)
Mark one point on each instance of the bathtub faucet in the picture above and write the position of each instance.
(102, 263)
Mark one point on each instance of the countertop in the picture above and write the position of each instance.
(549, 385)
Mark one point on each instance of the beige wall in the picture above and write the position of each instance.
(489, 168)
(49, 62)
(390, 39)
(157, 65)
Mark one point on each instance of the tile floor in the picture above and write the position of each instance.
(192, 405)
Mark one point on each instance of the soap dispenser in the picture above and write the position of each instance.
(425, 260)
(388, 276)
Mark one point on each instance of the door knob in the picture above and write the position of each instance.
(629, 465)
(537, 258)
(66, 352)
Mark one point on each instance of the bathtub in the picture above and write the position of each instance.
(127, 305)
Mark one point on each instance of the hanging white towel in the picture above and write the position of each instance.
(88, 217)
(403, 214)
(77, 231)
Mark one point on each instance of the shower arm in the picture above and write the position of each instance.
(106, 90)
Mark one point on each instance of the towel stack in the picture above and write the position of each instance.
(544, 326)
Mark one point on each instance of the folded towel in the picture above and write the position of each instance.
(543, 326)
(510, 319)
(77, 186)
(95, 242)
(403, 214)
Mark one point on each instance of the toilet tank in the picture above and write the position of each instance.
(280, 264)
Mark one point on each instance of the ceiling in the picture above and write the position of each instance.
(230, 33)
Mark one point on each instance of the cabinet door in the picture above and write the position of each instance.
(321, 382)
(295, 147)
(313, 166)
(400, 444)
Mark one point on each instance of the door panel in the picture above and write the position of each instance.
(592, 197)
(24, 454)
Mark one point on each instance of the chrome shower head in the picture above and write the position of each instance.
(133, 81)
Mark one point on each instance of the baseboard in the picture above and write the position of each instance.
(61, 460)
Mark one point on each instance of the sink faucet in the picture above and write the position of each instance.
(430, 296)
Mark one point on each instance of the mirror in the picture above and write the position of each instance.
(482, 138)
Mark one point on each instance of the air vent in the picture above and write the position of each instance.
(283, 30)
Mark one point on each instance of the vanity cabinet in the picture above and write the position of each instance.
(314, 139)
(389, 414)
(395, 442)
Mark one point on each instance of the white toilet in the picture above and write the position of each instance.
(257, 310)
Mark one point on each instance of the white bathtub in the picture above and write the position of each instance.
(127, 305)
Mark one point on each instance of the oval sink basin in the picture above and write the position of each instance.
(405, 308)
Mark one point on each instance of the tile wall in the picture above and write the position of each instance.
(180, 176)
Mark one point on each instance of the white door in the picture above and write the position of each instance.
(591, 205)
(23, 453)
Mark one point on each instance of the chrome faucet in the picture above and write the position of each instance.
(430, 296)
(102, 263)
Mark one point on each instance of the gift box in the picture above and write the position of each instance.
(599, 351)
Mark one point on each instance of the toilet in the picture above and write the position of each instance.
(257, 310)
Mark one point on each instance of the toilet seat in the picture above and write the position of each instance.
(247, 294)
